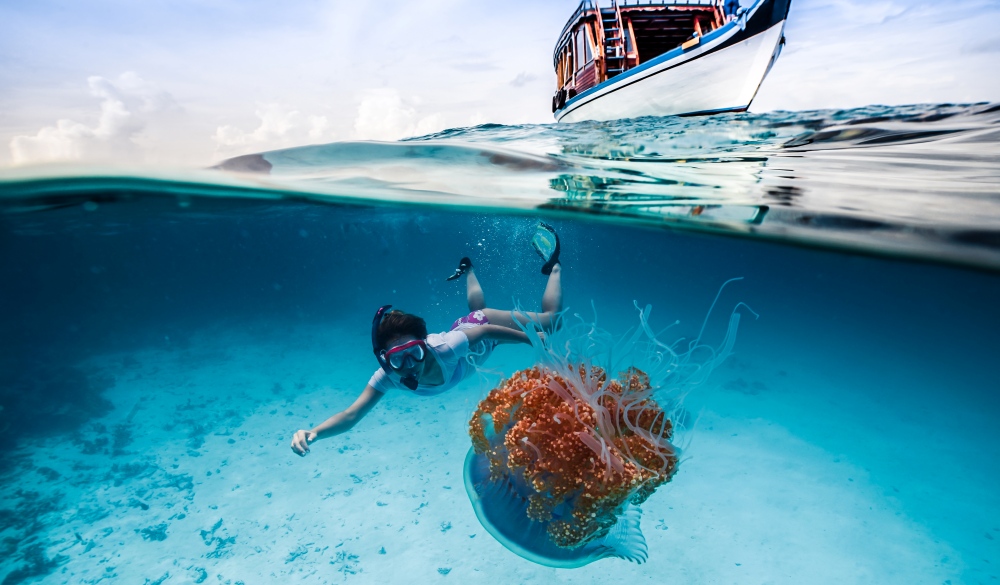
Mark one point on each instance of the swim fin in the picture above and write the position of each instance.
(546, 243)
(463, 265)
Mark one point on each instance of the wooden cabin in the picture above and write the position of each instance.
(599, 43)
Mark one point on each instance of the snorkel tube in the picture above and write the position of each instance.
(410, 381)
(379, 354)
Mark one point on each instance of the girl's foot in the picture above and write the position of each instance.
(463, 265)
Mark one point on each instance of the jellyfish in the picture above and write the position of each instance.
(564, 453)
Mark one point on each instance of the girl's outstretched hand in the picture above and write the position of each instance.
(301, 440)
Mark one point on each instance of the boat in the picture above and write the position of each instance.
(673, 58)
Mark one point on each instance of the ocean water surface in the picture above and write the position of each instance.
(165, 333)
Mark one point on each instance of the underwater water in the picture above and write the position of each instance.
(165, 333)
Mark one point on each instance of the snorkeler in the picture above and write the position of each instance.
(411, 360)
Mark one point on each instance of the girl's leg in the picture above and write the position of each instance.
(551, 305)
(552, 298)
(474, 292)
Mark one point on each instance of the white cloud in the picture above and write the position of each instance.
(280, 127)
(868, 12)
(914, 53)
(384, 115)
(126, 106)
(522, 79)
(983, 46)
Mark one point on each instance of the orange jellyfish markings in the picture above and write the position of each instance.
(585, 450)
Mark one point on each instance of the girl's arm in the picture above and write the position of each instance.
(338, 423)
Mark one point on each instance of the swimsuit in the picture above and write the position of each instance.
(473, 319)
(453, 354)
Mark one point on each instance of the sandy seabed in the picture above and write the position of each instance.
(190, 479)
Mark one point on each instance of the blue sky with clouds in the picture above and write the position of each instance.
(194, 81)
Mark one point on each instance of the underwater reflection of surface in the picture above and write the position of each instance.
(917, 181)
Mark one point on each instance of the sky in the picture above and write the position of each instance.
(192, 82)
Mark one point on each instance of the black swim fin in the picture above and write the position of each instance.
(463, 265)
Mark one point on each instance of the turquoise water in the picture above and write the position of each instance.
(166, 332)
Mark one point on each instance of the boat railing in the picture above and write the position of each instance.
(585, 6)
(593, 6)
(670, 2)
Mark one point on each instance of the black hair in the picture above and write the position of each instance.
(397, 324)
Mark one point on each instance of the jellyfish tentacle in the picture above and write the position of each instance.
(538, 454)
(712, 307)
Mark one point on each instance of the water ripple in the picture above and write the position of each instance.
(920, 181)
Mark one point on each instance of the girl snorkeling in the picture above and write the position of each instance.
(412, 360)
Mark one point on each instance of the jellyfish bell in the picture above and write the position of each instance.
(502, 505)
(560, 463)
